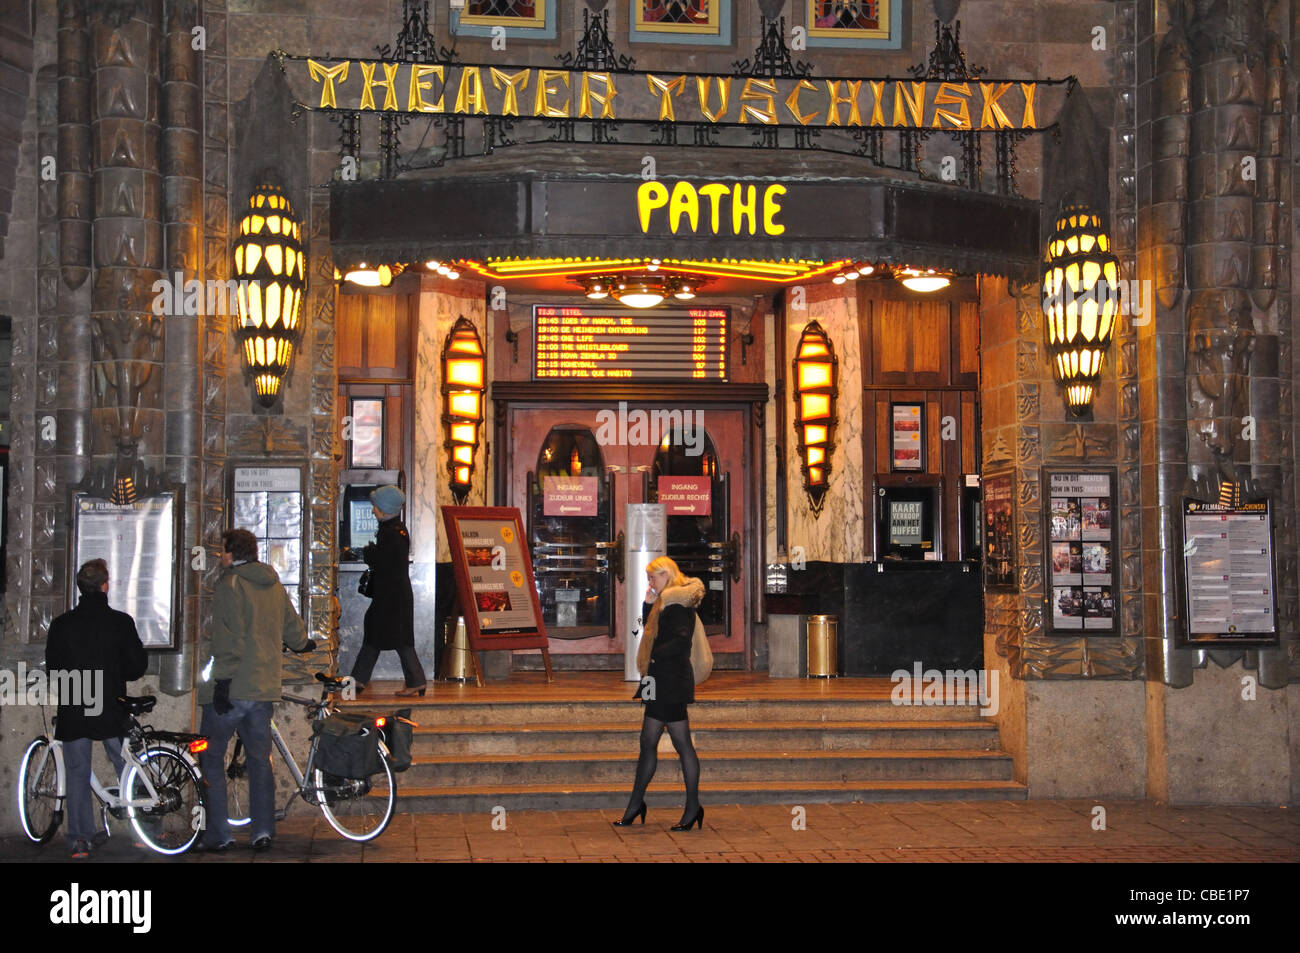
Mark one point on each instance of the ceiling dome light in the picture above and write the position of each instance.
(924, 282)
(838, 280)
(370, 276)
(640, 295)
(432, 264)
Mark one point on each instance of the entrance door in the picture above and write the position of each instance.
(573, 469)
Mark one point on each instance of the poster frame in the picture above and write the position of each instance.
(921, 465)
(1049, 616)
(304, 535)
(176, 494)
(1184, 638)
(992, 480)
(452, 517)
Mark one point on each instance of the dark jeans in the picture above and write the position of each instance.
(77, 757)
(412, 670)
(253, 722)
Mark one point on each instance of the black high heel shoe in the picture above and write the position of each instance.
(696, 821)
(627, 821)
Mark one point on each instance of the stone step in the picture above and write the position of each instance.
(664, 800)
(789, 765)
(604, 712)
(709, 736)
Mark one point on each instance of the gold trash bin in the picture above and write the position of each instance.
(456, 661)
(822, 631)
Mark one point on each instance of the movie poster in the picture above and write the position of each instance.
(1080, 551)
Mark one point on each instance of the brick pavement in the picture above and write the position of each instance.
(939, 832)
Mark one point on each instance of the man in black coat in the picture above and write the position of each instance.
(102, 647)
(390, 620)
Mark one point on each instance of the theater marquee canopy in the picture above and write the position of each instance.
(549, 215)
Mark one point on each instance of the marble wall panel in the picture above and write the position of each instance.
(837, 533)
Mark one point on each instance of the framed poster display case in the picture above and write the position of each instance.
(1081, 551)
(268, 501)
(907, 437)
(139, 542)
(495, 588)
(1228, 575)
(999, 541)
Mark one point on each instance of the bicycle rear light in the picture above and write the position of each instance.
(199, 744)
(381, 721)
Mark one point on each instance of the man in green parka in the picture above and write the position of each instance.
(252, 618)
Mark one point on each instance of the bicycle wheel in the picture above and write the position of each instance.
(39, 806)
(359, 810)
(173, 822)
(237, 803)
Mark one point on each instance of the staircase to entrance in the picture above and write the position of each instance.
(522, 744)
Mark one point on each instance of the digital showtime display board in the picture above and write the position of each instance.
(582, 342)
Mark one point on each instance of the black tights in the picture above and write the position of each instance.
(680, 733)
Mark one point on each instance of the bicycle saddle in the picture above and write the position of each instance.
(138, 704)
(333, 684)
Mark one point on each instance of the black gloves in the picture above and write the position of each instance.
(221, 697)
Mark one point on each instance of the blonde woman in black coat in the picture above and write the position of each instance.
(665, 657)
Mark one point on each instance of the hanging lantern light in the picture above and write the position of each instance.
(815, 391)
(463, 373)
(270, 268)
(1080, 300)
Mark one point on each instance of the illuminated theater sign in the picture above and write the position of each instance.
(607, 344)
(637, 96)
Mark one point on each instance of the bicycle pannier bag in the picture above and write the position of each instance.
(349, 746)
(400, 732)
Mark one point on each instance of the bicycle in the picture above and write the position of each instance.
(359, 809)
(159, 791)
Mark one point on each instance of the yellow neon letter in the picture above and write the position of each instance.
(328, 74)
(606, 101)
(666, 91)
(759, 90)
(994, 115)
(650, 196)
(724, 96)
(414, 100)
(792, 103)
(771, 208)
(388, 82)
(470, 97)
(714, 192)
(833, 111)
(915, 104)
(1029, 105)
(952, 94)
(516, 83)
(541, 102)
(683, 202)
(877, 90)
(744, 208)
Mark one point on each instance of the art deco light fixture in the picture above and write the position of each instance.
(1080, 301)
(815, 373)
(925, 280)
(640, 291)
(269, 266)
(463, 375)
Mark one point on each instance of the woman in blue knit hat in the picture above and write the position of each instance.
(390, 620)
